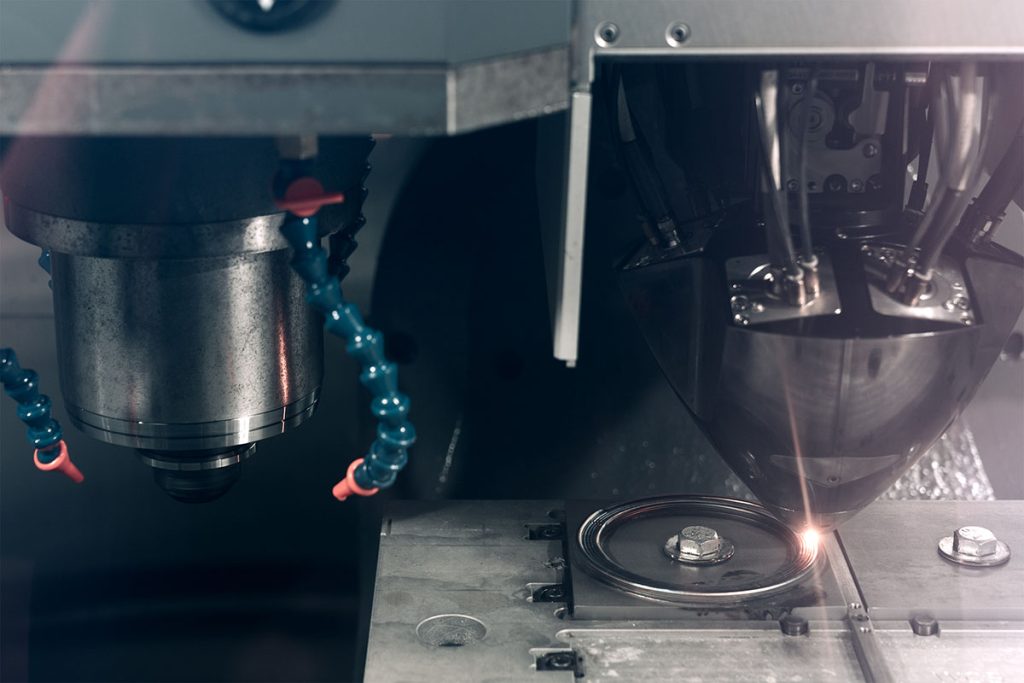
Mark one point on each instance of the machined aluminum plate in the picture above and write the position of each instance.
(622, 546)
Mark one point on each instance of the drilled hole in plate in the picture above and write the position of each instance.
(450, 630)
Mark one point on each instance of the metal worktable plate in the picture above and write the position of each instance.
(472, 558)
(990, 652)
(714, 656)
(892, 547)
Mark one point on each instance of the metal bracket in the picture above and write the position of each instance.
(945, 300)
(865, 642)
(751, 300)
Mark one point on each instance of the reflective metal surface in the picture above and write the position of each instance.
(819, 416)
(622, 546)
(751, 304)
(185, 354)
(946, 298)
(468, 566)
(182, 329)
(892, 546)
(699, 545)
(146, 240)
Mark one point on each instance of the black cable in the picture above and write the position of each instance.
(925, 125)
(939, 116)
(640, 167)
(985, 213)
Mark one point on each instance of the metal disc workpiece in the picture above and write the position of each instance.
(719, 551)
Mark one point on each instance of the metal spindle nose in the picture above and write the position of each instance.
(699, 545)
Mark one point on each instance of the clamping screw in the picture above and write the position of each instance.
(975, 541)
(698, 545)
(974, 546)
(606, 34)
(676, 34)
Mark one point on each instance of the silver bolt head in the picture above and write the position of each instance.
(856, 185)
(975, 541)
(698, 543)
(870, 150)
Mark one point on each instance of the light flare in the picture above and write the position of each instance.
(810, 538)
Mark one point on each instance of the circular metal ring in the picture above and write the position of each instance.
(161, 436)
(803, 554)
(127, 240)
(216, 461)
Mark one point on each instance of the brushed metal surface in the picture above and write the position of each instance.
(795, 27)
(183, 354)
(892, 547)
(470, 560)
(419, 99)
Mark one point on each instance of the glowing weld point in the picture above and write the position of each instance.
(811, 538)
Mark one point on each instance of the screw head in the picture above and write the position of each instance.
(974, 546)
(606, 34)
(835, 183)
(677, 33)
(740, 319)
(975, 541)
(856, 185)
(793, 625)
(870, 150)
(698, 545)
(924, 625)
(792, 185)
(559, 661)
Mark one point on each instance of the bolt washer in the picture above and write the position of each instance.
(682, 583)
(1000, 555)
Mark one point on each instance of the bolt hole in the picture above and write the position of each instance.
(606, 34)
(450, 630)
(677, 34)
